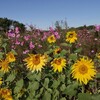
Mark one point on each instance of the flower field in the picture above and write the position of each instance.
(50, 65)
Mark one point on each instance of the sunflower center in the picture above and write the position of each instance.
(83, 69)
(70, 35)
(36, 59)
(58, 61)
(51, 38)
(58, 51)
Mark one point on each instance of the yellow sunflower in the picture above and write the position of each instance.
(0, 81)
(57, 50)
(58, 64)
(10, 57)
(71, 36)
(83, 70)
(98, 55)
(4, 65)
(35, 62)
(5, 94)
(51, 39)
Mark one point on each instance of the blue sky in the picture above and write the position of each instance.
(44, 13)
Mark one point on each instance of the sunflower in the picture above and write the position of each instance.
(51, 39)
(71, 36)
(83, 70)
(98, 55)
(0, 81)
(35, 62)
(4, 65)
(58, 64)
(10, 57)
(5, 94)
(57, 50)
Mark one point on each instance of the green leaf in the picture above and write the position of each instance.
(66, 44)
(46, 96)
(55, 94)
(96, 97)
(19, 85)
(38, 76)
(62, 78)
(1, 55)
(55, 84)
(75, 85)
(33, 85)
(63, 99)
(46, 82)
(73, 57)
(69, 90)
(15, 53)
(63, 52)
(30, 76)
(84, 96)
(98, 75)
(78, 50)
(40, 93)
(63, 87)
(4, 45)
(1, 73)
(11, 77)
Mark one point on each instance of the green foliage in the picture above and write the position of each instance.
(5, 23)
(45, 84)
(84, 96)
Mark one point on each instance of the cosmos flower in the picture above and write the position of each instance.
(31, 45)
(35, 62)
(97, 28)
(71, 36)
(83, 70)
(26, 51)
(58, 64)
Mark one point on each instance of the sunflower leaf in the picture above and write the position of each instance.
(46, 96)
(84, 96)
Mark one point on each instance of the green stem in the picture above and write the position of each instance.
(83, 88)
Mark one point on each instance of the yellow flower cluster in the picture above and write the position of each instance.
(4, 64)
(5, 94)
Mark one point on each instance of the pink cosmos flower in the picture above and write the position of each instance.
(17, 30)
(11, 34)
(25, 52)
(56, 35)
(22, 43)
(39, 45)
(17, 42)
(18, 35)
(31, 45)
(26, 38)
(97, 27)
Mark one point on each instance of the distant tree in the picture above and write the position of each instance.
(61, 24)
(90, 27)
(5, 24)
